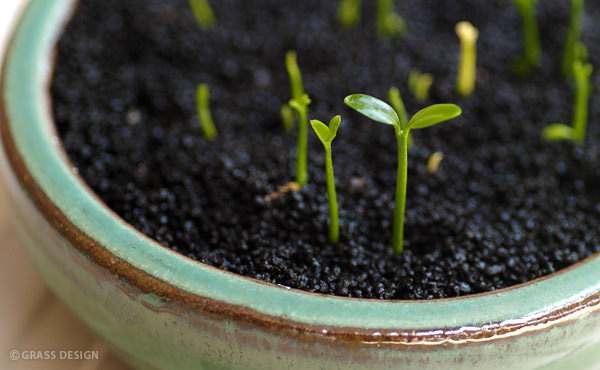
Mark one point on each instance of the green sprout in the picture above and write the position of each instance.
(203, 13)
(287, 117)
(300, 104)
(380, 111)
(531, 36)
(349, 13)
(467, 70)
(398, 104)
(326, 135)
(203, 110)
(419, 84)
(389, 23)
(434, 162)
(571, 53)
(575, 133)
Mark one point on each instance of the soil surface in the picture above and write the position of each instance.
(505, 207)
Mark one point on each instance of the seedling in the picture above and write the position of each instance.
(299, 102)
(398, 104)
(349, 13)
(419, 84)
(467, 68)
(531, 37)
(203, 13)
(301, 107)
(287, 117)
(573, 36)
(389, 23)
(380, 111)
(326, 135)
(576, 133)
(203, 110)
(434, 162)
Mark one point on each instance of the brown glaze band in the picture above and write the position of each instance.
(179, 299)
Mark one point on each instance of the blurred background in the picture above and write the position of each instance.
(31, 318)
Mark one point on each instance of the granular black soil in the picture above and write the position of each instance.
(504, 208)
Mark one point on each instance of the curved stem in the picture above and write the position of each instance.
(401, 181)
(580, 115)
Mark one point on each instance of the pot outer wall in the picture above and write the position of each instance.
(153, 324)
(150, 332)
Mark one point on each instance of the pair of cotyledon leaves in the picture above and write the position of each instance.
(380, 111)
(324, 133)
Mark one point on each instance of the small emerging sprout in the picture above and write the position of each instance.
(531, 37)
(419, 84)
(467, 69)
(398, 104)
(434, 161)
(203, 13)
(287, 117)
(380, 111)
(389, 23)
(283, 190)
(575, 133)
(326, 135)
(349, 13)
(203, 110)
(299, 102)
(573, 36)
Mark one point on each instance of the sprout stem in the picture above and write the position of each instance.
(296, 84)
(297, 88)
(301, 147)
(467, 70)
(334, 223)
(401, 181)
(580, 115)
(203, 109)
(573, 37)
(389, 23)
(203, 13)
(349, 13)
(419, 84)
(531, 34)
(287, 117)
(326, 134)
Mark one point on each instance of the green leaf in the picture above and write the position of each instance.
(558, 132)
(321, 130)
(433, 115)
(375, 109)
(334, 124)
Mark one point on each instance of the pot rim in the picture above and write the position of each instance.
(166, 278)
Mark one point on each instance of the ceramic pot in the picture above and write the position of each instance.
(162, 310)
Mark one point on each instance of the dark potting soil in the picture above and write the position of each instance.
(505, 207)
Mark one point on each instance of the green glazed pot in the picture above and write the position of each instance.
(162, 310)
